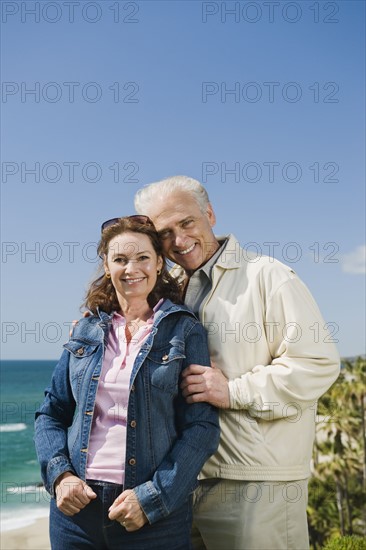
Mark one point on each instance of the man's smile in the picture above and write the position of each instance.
(186, 251)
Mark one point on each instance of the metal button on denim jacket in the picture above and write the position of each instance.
(168, 440)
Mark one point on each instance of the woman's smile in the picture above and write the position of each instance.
(131, 281)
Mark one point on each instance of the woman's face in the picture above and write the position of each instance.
(133, 264)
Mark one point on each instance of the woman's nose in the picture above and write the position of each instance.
(130, 266)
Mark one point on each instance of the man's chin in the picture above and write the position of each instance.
(190, 261)
(186, 263)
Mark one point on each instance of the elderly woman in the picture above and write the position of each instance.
(119, 447)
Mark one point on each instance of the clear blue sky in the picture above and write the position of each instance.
(262, 101)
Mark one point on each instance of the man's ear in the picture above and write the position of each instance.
(211, 215)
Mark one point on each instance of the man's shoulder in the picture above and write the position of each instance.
(249, 257)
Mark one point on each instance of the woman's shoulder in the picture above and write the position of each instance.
(169, 307)
(91, 327)
(176, 315)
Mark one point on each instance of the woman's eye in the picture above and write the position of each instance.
(143, 258)
(120, 260)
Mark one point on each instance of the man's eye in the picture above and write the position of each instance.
(164, 235)
(187, 223)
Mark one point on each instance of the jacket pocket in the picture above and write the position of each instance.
(80, 349)
(82, 358)
(165, 366)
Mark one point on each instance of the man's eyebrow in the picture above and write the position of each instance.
(164, 230)
(177, 223)
(180, 222)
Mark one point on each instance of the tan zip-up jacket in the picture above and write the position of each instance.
(268, 337)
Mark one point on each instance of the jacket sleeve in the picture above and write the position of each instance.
(198, 426)
(305, 362)
(52, 422)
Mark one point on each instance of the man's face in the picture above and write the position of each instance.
(185, 231)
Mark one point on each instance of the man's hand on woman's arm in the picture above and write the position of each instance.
(205, 384)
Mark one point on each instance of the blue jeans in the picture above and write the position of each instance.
(92, 529)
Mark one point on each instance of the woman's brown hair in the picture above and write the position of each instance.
(101, 293)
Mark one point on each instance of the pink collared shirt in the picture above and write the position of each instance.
(107, 443)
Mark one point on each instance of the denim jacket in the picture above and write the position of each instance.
(167, 441)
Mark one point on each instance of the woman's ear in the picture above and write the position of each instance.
(105, 265)
(160, 263)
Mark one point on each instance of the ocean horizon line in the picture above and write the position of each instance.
(36, 359)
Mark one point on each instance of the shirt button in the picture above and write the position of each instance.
(132, 461)
(165, 357)
(133, 423)
(132, 388)
(80, 351)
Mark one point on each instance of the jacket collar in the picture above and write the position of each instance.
(231, 257)
(166, 308)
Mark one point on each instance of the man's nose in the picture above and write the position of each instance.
(180, 239)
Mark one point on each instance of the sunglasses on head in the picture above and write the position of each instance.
(144, 220)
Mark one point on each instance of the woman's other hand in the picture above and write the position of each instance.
(72, 494)
(127, 511)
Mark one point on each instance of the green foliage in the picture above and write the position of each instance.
(337, 489)
(352, 542)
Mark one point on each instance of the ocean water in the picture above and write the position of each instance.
(23, 498)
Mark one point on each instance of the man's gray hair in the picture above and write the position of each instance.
(146, 196)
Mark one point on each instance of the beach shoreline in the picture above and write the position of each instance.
(30, 537)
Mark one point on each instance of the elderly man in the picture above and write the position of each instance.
(269, 370)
